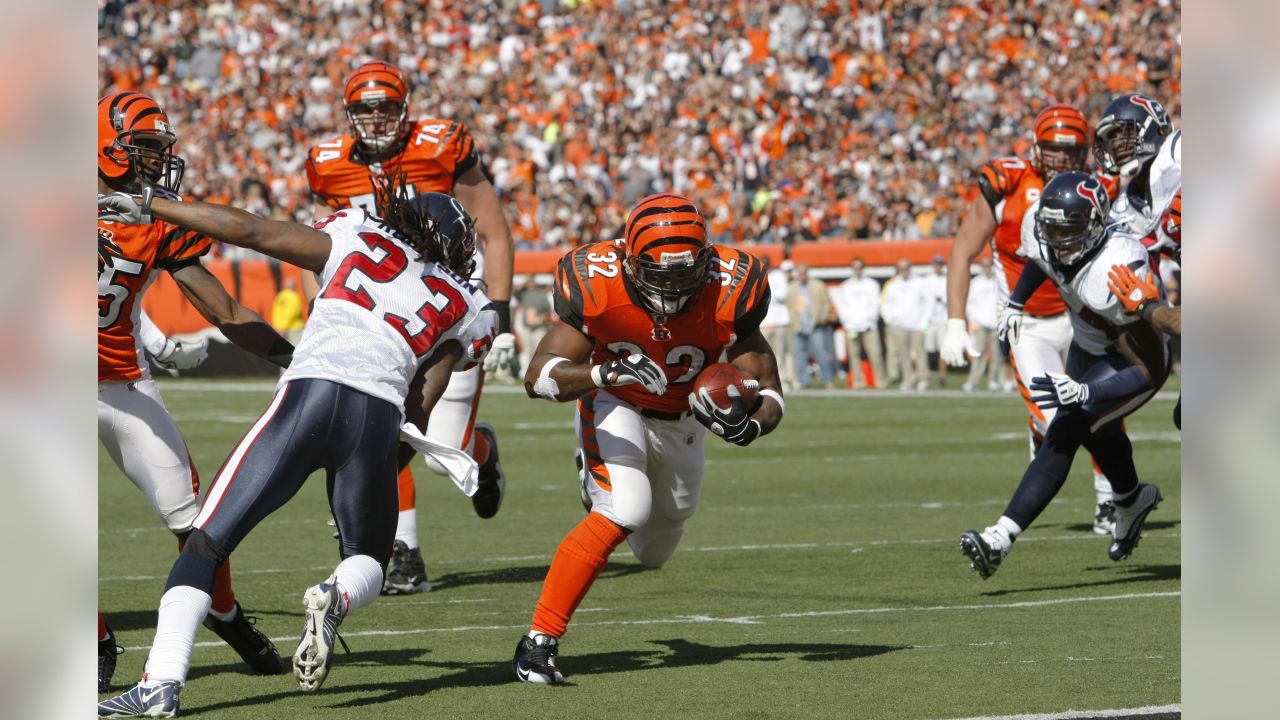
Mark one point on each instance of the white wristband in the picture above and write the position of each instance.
(596, 376)
(545, 386)
(777, 397)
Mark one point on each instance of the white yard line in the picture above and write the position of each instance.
(741, 620)
(1087, 714)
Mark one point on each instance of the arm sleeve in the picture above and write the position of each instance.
(152, 339)
(1126, 383)
(1033, 276)
(567, 295)
(461, 148)
(993, 184)
(753, 297)
(181, 247)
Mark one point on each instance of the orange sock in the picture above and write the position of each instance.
(579, 559)
(481, 450)
(224, 598)
(408, 494)
(102, 628)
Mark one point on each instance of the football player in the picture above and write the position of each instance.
(639, 319)
(437, 156)
(135, 149)
(1007, 187)
(1136, 141)
(1115, 364)
(1142, 297)
(391, 323)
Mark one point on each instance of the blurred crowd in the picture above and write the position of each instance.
(787, 121)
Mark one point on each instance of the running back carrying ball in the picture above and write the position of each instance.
(717, 378)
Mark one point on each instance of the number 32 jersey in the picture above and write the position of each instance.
(592, 295)
(381, 311)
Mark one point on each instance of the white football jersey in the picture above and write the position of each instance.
(1140, 215)
(1096, 314)
(381, 312)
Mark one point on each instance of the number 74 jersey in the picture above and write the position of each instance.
(593, 295)
(382, 311)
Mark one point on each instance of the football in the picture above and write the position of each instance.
(718, 377)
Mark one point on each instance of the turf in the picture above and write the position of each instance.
(820, 578)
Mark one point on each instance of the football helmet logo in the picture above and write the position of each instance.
(667, 252)
(135, 142)
(1072, 218)
(1061, 141)
(434, 224)
(376, 99)
(1130, 133)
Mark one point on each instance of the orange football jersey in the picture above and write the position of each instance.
(145, 250)
(592, 295)
(435, 153)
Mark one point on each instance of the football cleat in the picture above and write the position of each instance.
(255, 648)
(1104, 518)
(583, 476)
(159, 699)
(493, 482)
(324, 609)
(108, 651)
(407, 574)
(986, 549)
(1129, 520)
(535, 660)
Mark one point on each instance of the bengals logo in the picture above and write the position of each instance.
(660, 334)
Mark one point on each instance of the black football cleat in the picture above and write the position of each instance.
(255, 648)
(1129, 520)
(535, 660)
(108, 651)
(407, 573)
(493, 482)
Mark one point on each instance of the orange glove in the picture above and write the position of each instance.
(1134, 293)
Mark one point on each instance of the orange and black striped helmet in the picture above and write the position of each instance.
(1061, 141)
(135, 139)
(376, 98)
(667, 252)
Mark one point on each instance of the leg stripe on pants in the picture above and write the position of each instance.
(227, 475)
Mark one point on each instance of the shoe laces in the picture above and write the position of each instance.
(543, 653)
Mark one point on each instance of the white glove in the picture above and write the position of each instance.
(634, 368)
(1060, 391)
(127, 208)
(957, 346)
(502, 354)
(178, 355)
(1009, 326)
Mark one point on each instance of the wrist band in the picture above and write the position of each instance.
(503, 308)
(544, 386)
(777, 397)
(596, 375)
(1147, 309)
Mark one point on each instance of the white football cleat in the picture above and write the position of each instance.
(324, 609)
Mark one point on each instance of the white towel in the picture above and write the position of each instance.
(463, 470)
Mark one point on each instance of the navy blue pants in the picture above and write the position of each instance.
(1097, 426)
(310, 425)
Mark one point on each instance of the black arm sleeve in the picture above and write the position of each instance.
(1033, 276)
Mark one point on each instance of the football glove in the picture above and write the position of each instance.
(127, 208)
(178, 355)
(1133, 291)
(957, 347)
(108, 251)
(1060, 391)
(734, 423)
(502, 353)
(634, 368)
(1009, 326)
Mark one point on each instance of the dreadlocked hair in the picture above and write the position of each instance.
(417, 230)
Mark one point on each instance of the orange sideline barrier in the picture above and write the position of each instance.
(254, 282)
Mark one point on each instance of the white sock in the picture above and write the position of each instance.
(1101, 487)
(359, 579)
(1010, 527)
(226, 616)
(407, 527)
(182, 609)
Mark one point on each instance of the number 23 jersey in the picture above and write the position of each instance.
(381, 312)
(592, 295)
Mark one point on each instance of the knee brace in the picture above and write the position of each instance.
(198, 564)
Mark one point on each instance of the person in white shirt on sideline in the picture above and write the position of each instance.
(982, 310)
(776, 325)
(935, 290)
(906, 317)
(857, 302)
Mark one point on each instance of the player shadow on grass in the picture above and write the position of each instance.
(1148, 525)
(529, 574)
(1129, 574)
(676, 653)
(127, 620)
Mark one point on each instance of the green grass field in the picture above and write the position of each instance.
(820, 578)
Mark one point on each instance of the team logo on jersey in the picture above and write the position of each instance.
(1089, 191)
(660, 334)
